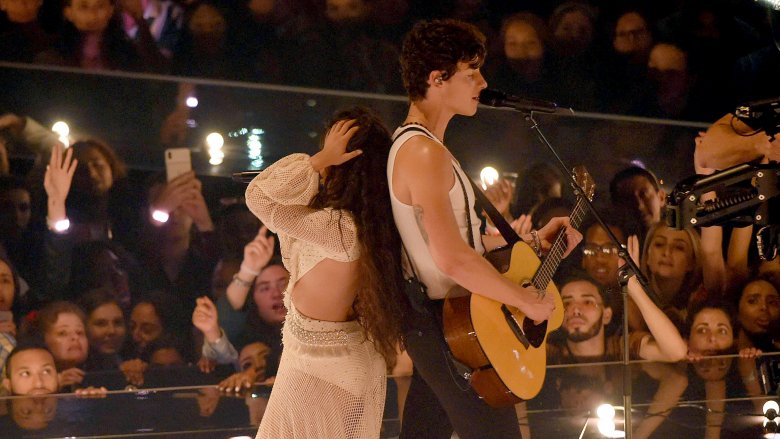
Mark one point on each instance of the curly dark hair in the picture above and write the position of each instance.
(438, 45)
(360, 187)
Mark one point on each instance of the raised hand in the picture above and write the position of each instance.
(134, 371)
(57, 180)
(204, 317)
(522, 224)
(258, 252)
(176, 191)
(334, 150)
(70, 376)
(500, 195)
(206, 365)
(194, 205)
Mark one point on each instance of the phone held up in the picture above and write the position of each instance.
(178, 161)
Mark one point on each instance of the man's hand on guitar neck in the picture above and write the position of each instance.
(550, 230)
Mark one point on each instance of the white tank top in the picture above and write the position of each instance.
(438, 283)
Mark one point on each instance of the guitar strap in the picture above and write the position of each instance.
(506, 230)
(417, 292)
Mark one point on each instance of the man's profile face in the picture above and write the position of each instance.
(640, 196)
(584, 312)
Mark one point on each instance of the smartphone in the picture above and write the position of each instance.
(177, 161)
(6, 316)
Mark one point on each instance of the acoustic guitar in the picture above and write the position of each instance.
(505, 350)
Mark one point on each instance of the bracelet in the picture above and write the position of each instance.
(537, 243)
(253, 273)
(242, 282)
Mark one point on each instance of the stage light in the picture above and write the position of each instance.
(607, 428)
(191, 102)
(216, 160)
(160, 216)
(215, 141)
(774, 4)
(606, 411)
(63, 131)
(488, 176)
(61, 128)
(771, 409)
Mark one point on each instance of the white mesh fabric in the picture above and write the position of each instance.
(325, 390)
(331, 380)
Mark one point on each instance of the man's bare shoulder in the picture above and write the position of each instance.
(423, 151)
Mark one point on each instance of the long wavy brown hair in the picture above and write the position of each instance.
(360, 187)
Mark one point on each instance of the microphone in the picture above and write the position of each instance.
(496, 98)
(756, 110)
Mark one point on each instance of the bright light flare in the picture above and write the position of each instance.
(61, 128)
(606, 411)
(215, 141)
(488, 176)
(191, 102)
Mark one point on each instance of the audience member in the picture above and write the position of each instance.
(576, 62)
(671, 260)
(9, 309)
(31, 370)
(159, 19)
(92, 38)
(710, 329)
(20, 236)
(209, 45)
(106, 330)
(600, 258)
(586, 315)
(62, 326)
(180, 253)
(167, 350)
(24, 37)
(522, 67)
(627, 86)
(154, 314)
(636, 190)
(758, 309)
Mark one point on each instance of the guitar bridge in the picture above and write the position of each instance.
(515, 326)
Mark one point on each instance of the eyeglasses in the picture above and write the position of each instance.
(594, 249)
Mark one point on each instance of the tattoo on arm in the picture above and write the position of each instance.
(418, 215)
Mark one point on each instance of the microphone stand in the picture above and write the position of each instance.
(624, 273)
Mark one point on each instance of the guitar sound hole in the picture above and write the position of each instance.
(534, 333)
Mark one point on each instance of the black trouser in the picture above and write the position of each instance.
(439, 399)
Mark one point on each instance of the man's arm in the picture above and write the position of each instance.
(423, 175)
(726, 144)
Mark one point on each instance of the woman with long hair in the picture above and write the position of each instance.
(332, 214)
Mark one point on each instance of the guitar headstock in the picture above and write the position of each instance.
(584, 180)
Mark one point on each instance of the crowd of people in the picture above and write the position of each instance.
(691, 60)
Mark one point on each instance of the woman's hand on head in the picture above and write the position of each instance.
(334, 149)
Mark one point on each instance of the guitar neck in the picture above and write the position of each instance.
(550, 264)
